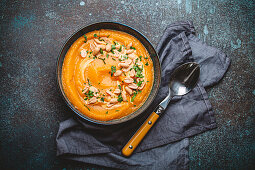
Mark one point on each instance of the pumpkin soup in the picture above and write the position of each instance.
(107, 74)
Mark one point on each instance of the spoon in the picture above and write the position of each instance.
(182, 80)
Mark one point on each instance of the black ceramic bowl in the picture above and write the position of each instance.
(118, 27)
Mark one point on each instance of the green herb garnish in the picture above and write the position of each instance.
(101, 51)
(95, 35)
(100, 39)
(107, 55)
(133, 97)
(114, 59)
(113, 70)
(140, 83)
(117, 110)
(106, 112)
(119, 87)
(103, 59)
(145, 57)
(120, 49)
(87, 107)
(138, 71)
(147, 64)
(113, 47)
(89, 82)
(86, 39)
(140, 58)
(132, 48)
(102, 99)
(89, 94)
(120, 99)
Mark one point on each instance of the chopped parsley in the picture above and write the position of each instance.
(132, 48)
(113, 70)
(147, 64)
(138, 71)
(108, 36)
(117, 110)
(120, 99)
(102, 99)
(140, 83)
(113, 47)
(120, 59)
(133, 97)
(95, 35)
(107, 55)
(120, 49)
(89, 94)
(89, 82)
(140, 58)
(103, 59)
(87, 107)
(106, 112)
(86, 39)
(100, 39)
(114, 59)
(145, 57)
(101, 51)
(112, 51)
(134, 105)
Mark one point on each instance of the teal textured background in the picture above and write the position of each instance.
(32, 33)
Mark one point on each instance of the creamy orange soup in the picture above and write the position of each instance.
(107, 74)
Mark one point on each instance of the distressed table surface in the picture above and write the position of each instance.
(32, 34)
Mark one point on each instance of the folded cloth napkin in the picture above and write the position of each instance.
(166, 145)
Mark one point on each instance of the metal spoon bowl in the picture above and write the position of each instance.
(182, 81)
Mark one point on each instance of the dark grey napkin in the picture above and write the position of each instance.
(186, 115)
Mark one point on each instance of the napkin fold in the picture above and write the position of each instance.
(166, 145)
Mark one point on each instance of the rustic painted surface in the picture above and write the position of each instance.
(32, 34)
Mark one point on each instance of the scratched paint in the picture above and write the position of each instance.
(236, 45)
(206, 32)
(51, 15)
(188, 6)
(82, 3)
(21, 21)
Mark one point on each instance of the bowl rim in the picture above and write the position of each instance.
(114, 121)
